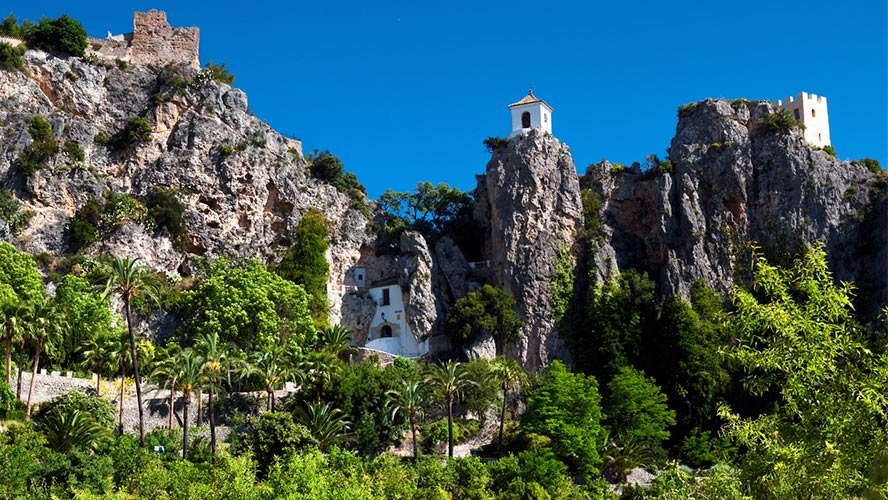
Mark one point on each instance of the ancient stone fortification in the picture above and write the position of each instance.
(152, 42)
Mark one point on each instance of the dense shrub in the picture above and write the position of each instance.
(100, 217)
(10, 27)
(830, 150)
(271, 435)
(42, 148)
(494, 143)
(88, 402)
(73, 151)
(218, 73)
(136, 130)
(486, 311)
(326, 166)
(10, 212)
(780, 121)
(166, 211)
(870, 164)
(306, 263)
(63, 35)
(11, 56)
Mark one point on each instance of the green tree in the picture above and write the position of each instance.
(20, 283)
(486, 311)
(409, 399)
(99, 355)
(270, 435)
(428, 208)
(636, 409)
(129, 281)
(797, 336)
(336, 340)
(87, 314)
(273, 368)
(306, 264)
(327, 425)
(62, 35)
(67, 430)
(215, 358)
(47, 328)
(250, 308)
(187, 376)
(566, 407)
(510, 376)
(448, 380)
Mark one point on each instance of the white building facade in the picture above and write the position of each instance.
(389, 331)
(810, 111)
(529, 113)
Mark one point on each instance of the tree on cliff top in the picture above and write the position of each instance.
(63, 35)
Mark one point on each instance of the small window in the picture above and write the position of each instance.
(813, 113)
(386, 298)
(796, 113)
(525, 119)
(360, 277)
(819, 138)
(545, 118)
(385, 332)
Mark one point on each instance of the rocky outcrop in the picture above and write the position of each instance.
(528, 203)
(736, 182)
(244, 186)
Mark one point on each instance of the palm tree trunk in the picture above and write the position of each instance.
(212, 423)
(186, 402)
(33, 373)
(21, 360)
(450, 427)
(122, 392)
(172, 403)
(99, 382)
(134, 354)
(9, 355)
(199, 407)
(413, 430)
(499, 444)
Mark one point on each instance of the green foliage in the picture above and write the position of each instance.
(566, 408)
(7, 398)
(738, 104)
(562, 284)
(326, 166)
(830, 150)
(436, 432)
(780, 121)
(19, 278)
(699, 449)
(101, 410)
(87, 315)
(136, 130)
(591, 214)
(428, 209)
(166, 211)
(870, 164)
(98, 218)
(306, 263)
(494, 143)
(721, 483)
(42, 148)
(797, 336)
(250, 307)
(686, 109)
(665, 167)
(62, 35)
(269, 436)
(636, 408)
(10, 212)
(73, 151)
(11, 56)
(488, 311)
(10, 27)
(218, 73)
(618, 168)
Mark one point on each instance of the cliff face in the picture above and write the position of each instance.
(528, 203)
(244, 185)
(734, 183)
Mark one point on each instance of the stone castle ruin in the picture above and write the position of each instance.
(153, 42)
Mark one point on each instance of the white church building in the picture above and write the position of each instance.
(529, 113)
(389, 331)
(809, 110)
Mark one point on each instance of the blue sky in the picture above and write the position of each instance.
(406, 91)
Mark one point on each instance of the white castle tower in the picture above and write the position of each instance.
(529, 113)
(810, 111)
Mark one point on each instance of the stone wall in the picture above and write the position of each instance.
(152, 42)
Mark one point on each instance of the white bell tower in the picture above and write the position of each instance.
(529, 113)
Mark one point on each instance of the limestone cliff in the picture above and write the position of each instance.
(244, 186)
(528, 203)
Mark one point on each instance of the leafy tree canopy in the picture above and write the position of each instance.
(63, 35)
(86, 314)
(306, 263)
(486, 311)
(428, 208)
(636, 409)
(250, 307)
(797, 336)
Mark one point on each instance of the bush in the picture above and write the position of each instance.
(486, 311)
(43, 147)
(136, 130)
(306, 263)
(165, 210)
(665, 167)
(686, 109)
(10, 212)
(63, 35)
(218, 73)
(73, 151)
(494, 143)
(11, 56)
(10, 27)
(618, 168)
(88, 402)
(870, 164)
(780, 121)
(326, 167)
(830, 150)
(270, 435)
(436, 432)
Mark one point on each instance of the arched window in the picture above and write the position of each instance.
(813, 113)
(385, 331)
(525, 119)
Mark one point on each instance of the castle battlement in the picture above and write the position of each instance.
(809, 110)
(152, 42)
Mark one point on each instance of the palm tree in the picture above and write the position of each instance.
(215, 360)
(408, 400)
(12, 320)
(449, 380)
(130, 281)
(317, 369)
(65, 430)
(510, 376)
(183, 370)
(327, 424)
(272, 368)
(164, 374)
(119, 355)
(336, 340)
(47, 326)
(98, 355)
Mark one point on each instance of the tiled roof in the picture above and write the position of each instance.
(530, 99)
